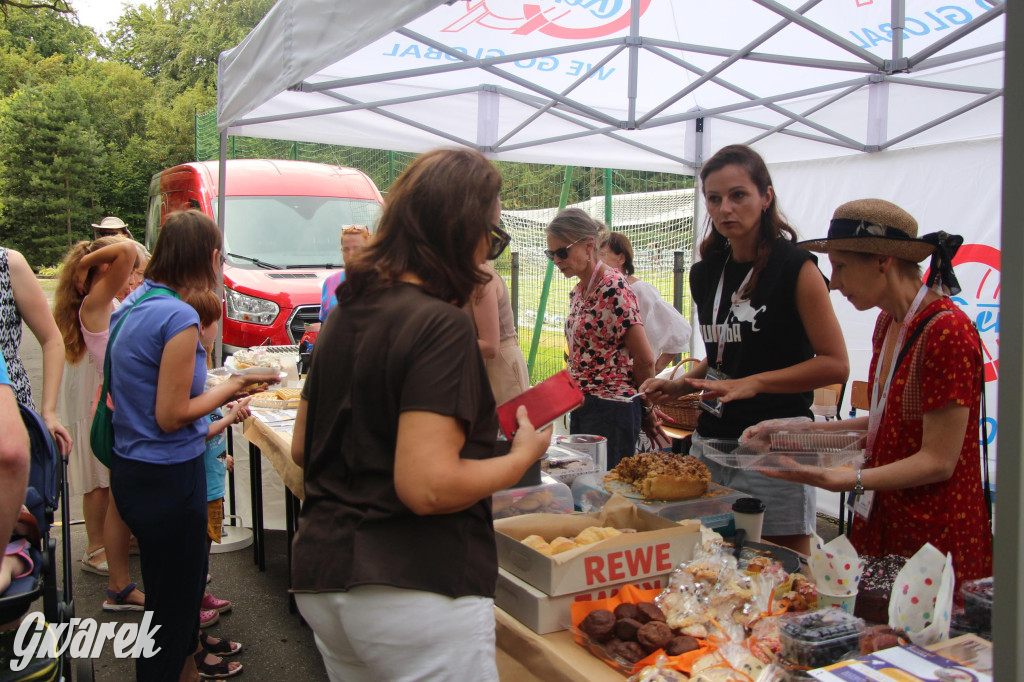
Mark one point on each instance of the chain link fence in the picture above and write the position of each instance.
(655, 210)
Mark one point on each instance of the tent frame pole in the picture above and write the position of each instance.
(726, 63)
(222, 181)
(1008, 550)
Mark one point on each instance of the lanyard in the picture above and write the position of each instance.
(880, 391)
(718, 301)
(578, 309)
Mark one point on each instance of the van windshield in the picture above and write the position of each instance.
(292, 232)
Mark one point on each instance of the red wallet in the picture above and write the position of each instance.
(545, 402)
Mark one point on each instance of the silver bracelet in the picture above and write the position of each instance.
(859, 488)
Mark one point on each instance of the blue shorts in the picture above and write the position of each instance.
(790, 508)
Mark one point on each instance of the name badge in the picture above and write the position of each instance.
(861, 504)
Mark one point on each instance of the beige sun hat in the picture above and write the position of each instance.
(881, 227)
(110, 224)
(873, 226)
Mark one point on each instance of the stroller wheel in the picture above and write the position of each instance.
(84, 670)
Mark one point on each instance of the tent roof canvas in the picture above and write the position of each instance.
(620, 83)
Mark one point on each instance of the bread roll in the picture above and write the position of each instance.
(561, 544)
(538, 543)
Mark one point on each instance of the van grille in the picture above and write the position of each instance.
(301, 316)
(292, 275)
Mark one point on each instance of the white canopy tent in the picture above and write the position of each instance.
(845, 98)
(619, 83)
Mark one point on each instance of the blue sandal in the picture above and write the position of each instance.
(120, 600)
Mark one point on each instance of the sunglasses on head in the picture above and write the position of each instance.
(499, 240)
(563, 252)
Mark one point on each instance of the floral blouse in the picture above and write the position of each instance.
(596, 334)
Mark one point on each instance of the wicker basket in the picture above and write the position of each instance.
(684, 409)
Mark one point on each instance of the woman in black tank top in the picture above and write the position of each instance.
(768, 327)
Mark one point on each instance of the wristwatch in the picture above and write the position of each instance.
(859, 488)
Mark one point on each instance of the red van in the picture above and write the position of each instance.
(282, 233)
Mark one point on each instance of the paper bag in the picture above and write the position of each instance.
(835, 567)
(922, 597)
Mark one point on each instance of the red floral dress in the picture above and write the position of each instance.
(596, 334)
(943, 367)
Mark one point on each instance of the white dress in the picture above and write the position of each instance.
(667, 331)
(74, 408)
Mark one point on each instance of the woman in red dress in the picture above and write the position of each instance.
(921, 481)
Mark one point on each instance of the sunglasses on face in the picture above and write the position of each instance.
(563, 252)
(499, 240)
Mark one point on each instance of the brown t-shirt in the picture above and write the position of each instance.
(394, 350)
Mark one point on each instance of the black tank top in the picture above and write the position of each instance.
(771, 336)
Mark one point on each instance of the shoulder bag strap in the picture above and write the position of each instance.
(156, 291)
(987, 485)
(913, 337)
(987, 482)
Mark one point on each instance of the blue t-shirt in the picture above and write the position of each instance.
(216, 447)
(4, 378)
(328, 297)
(134, 369)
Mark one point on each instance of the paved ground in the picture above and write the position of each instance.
(278, 646)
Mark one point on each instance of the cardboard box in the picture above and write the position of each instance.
(544, 614)
(658, 546)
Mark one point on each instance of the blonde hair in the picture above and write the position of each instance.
(67, 301)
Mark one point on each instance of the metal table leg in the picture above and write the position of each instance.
(256, 482)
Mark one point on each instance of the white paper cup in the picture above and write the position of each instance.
(749, 515)
(836, 601)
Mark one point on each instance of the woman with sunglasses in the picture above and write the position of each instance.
(353, 239)
(394, 562)
(609, 356)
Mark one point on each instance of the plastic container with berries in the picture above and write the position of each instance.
(977, 596)
(819, 638)
(566, 465)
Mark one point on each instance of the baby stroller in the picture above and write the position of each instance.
(47, 489)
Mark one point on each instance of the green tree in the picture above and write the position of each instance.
(50, 157)
(177, 42)
(47, 32)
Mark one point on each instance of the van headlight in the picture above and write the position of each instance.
(242, 308)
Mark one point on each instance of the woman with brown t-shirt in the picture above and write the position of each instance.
(394, 563)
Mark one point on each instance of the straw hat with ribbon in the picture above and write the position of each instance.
(883, 228)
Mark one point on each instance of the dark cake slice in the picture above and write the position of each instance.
(876, 587)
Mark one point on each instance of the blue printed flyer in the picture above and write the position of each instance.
(900, 663)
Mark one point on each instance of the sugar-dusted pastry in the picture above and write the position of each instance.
(590, 535)
(561, 544)
(538, 543)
